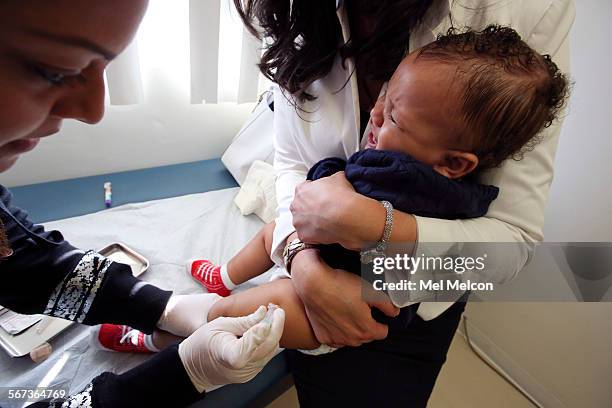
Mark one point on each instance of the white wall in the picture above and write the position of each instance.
(560, 352)
(580, 204)
(131, 137)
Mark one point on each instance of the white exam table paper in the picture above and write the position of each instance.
(168, 232)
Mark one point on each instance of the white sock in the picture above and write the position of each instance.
(148, 342)
(226, 279)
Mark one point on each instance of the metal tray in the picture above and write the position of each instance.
(122, 253)
(26, 341)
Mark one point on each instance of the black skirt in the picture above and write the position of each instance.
(399, 371)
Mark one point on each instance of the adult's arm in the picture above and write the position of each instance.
(226, 350)
(291, 170)
(345, 320)
(47, 275)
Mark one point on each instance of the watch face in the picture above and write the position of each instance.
(292, 248)
(369, 255)
(289, 249)
(292, 245)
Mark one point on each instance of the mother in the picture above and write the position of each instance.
(330, 62)
(52, 59)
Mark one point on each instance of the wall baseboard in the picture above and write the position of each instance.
(508, 368)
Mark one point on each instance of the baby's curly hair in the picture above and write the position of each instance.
(509, 91)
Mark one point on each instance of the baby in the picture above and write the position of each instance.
(458, 106)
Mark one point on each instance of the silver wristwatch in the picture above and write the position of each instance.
(291, 249)
(369, 254)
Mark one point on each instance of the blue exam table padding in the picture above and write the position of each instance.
(70, 198)
(274, 380)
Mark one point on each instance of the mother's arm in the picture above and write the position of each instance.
(332, 298)
(334, 302)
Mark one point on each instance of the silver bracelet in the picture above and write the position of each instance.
(379, 249)
(388, 223)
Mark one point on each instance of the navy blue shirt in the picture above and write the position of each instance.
(411, 187)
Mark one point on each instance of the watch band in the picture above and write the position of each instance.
(368, 255)
(291, 249)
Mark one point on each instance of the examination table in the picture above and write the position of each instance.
(177, 189)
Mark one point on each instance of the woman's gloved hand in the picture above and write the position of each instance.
(184, 314)
(215, 354)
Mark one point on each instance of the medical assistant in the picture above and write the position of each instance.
(45, 274)
(329, 126)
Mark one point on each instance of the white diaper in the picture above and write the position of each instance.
(322, 349)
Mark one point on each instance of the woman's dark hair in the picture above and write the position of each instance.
(5, 248)
(508, 91)
(304, 40)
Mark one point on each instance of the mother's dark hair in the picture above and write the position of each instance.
(305, 37)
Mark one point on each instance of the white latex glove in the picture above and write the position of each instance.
(184, 314)
(214, 355)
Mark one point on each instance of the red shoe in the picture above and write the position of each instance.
(122, 338)
(209, 275)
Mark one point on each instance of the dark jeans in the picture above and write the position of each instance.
(399, 371)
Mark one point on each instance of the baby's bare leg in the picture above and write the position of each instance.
(254, 258)
(162, 339)
(297, 333)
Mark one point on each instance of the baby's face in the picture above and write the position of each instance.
(418, 113)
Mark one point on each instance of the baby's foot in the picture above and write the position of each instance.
(209, 275)
(124, 339)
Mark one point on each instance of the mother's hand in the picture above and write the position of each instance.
(334, 304)
(329, 210)
(322, 211)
